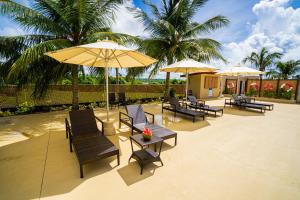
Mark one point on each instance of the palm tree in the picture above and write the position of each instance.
(53, 24)
(288, 69)
(174, 35)
(262, 61)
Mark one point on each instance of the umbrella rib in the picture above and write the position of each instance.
(100, 50)
(135, 59)
(117, 59)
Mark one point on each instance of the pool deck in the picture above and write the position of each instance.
(242, 155)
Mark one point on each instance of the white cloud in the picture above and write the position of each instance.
(11, 31)
(277, 28)
(125, 22)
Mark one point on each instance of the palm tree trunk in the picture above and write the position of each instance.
(260, 84)
(75, 103)
(117, 76)
(167, 86)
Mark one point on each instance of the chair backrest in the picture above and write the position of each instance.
(190, 93)
(112, 97)
(245, 98)
(121, 97)
(194, 100)
(83, 122)
(237, 99)
(174, 102)
(137, 113)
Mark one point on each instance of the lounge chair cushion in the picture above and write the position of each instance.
(137, 113)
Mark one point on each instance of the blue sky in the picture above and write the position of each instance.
(254, 24)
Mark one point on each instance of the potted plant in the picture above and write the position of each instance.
(147, 134)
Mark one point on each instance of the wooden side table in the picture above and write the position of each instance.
(145, 155)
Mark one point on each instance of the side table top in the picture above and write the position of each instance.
(138, 138)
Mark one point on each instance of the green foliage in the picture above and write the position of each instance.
(262, 59)
(53, 24)
(252, 92)
(269, 94)
(285, 94)
(25, 107)
(177, 81)
(172, 92)
(287, 69)
(175, 35)
(92, 105)
(225, 90)
(5, 113)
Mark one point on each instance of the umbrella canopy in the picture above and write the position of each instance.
(188, 66)
(239, 71)
(102, 54)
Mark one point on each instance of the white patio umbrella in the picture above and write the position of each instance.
(102, 54)
(238, 71)
(188, 66)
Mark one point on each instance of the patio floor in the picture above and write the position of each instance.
(242, 155)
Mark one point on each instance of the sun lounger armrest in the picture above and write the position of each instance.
(201, 102)
(124, 114)
(102, 128)
(152, 115)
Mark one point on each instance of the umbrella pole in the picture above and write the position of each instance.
(106, 80)
(186, 85)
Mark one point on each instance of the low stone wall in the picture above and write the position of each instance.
(11, 96)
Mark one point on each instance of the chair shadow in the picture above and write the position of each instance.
(241, 112)
(131, 172)
(180, 122)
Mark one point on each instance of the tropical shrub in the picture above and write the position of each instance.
(26, 107)
(269, 90)
(285, 91)
(5, 113)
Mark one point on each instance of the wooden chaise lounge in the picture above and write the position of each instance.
(241, 103)
(199, 104)
(137, 120)
(175, 106)
(90, 144)
(251, 100)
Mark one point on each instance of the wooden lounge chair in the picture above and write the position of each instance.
(251, 100)
(199, 104)
(90, 144)
(122, 99)
(112, 100)
(136, 119)
(174, 106)
(241, 103)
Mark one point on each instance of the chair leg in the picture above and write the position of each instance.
(142, 167)
(175, 140)
(81, 172)
(70, 143)
(118, 157)
(162, 164)
(131, 131)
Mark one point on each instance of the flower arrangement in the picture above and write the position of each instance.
(253, 89)
(286, 91)
(269, 90)
(147, 134)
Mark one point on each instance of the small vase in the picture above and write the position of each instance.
(147, 137)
